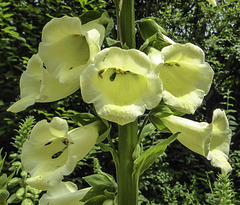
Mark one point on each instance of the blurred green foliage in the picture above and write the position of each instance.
(177, 177)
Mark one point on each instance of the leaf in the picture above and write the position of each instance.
(97, 179)
(147, 130)
(148, 157)
(97, 191)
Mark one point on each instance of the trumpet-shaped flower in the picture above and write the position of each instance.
(210, 140)
(67, 48)
(121, 85)
(220, 140)
(185, 75)
(52, 151)
(64, 193)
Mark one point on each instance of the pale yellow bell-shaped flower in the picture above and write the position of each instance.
(220, 141)
(52, 151)
(210, 140)
(185, 75)
(121, 85)
(213, 2)
(64, 193)
(67, 48)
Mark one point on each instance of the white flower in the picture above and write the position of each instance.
(210, 140)
(121, 85)
(185, 75)
(66, 49)
(64, 193)
(220, 141)
(52, 151)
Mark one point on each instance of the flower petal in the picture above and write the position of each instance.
(194, 135)
(121, 85)
(220, 142)
(64, 193)
(185, 75)
(30, 83)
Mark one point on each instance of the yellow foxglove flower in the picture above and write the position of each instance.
(52, 151)
(213, 2)
(121, 85)
(220, 140)
(210, 140)
(185, 75)
(38, 85)
(66, 49)
(64, 193)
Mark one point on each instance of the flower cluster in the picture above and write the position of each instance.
(121, 84)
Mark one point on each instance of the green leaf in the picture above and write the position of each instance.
(90, 16)
(147, 130)
(98, 190)
(149, 27)
(148, 157)
(97, 200)
(96, 179)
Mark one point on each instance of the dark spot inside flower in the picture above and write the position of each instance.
(56, 155)
(44, 66)
(48, 143)
(113, 76)
(71, 68)
(100, 73)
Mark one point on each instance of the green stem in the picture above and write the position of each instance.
(126, 22)
(127, 182)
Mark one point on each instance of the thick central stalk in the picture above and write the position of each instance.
(127, 183)
(126, 22)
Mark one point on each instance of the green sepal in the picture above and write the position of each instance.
(104, 131)
(158, 124)
(149, 156)
(148, 27)
(113, 42)
(157, 41)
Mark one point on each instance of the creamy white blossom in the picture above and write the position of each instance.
(67, 48)
(121, 85)
(210, 140)
(52, 151)
(185, 75)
